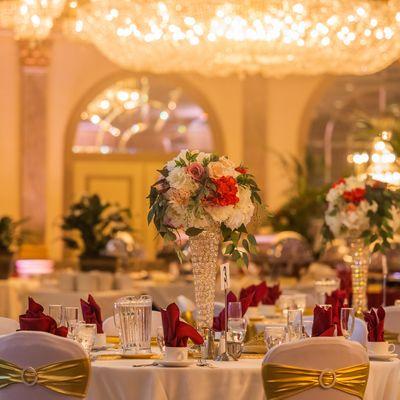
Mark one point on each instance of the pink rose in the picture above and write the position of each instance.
(195, 170)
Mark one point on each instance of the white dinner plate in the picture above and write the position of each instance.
(167, 363)
(386, 356)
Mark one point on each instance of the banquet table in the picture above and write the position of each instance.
(118, 380)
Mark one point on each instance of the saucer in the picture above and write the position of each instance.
(167, 363)
(383, 356)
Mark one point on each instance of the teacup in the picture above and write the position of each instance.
(176, 353)
(381, 347)
(101, 340)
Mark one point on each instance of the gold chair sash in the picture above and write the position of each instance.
(66, 377)
(283, 381)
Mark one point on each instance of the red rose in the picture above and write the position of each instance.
(225, 193)
(195, 170)
(339, 182)
(242, 170)
(354, 196)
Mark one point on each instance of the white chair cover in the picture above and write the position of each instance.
(392, 323)
(319, 353)
(105, 281)
(8, 325)
(87, 282)
(35, 349)
(110, 329)
(360, 333)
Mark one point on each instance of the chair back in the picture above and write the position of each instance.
(8, 325)
(32, 350)
(320, 355)
(392, 319)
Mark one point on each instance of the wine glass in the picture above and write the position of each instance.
(235, 309)
(160, 339)
(71, 319)
(274, 335)
(295, 324)
(347, 321)
(307, 325)
(86, 335)
(235, 338)
(56, 312)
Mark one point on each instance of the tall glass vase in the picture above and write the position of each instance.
(360, 260)
(204, 255)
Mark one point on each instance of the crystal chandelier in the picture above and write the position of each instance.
(30, 19)
(220, 37)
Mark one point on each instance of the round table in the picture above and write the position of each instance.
(118, 380)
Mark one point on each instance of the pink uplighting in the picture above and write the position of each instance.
(34, 267)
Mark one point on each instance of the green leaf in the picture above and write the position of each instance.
(193, 231)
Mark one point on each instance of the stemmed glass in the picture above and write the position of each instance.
(71, 319)
(295, 324)
(347, 321)
(237, 326)
(160, 339)
(56, 312)
(274, 335)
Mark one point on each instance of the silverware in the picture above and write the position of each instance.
(153, 364)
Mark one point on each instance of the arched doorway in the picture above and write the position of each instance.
(127, 128)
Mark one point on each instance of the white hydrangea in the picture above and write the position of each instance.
(242, 211)
(219, 214)
(180, 180)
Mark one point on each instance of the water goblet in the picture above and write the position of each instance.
(307, 328)
(235, 309)
(274, 335)
(347, 321)
(86, 335)
(295, 324)
(160, 339)
(56, 312)
(71, 319)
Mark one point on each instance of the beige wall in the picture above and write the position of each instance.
(9, 135)
(77, 69)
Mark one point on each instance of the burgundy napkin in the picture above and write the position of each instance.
(258, 291)
(344, 274)
(272, 295)
(35, 320)
(219, 322)
(337, 300)
(91, 313)
(323, 324)
(375, 324)
(177, 332)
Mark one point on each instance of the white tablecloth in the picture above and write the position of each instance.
(117, 380)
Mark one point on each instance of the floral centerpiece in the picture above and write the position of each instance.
(367, 214)
(209, 198)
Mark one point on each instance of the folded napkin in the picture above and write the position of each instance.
(323, 324)
(177, 332)
(272, 295)
(91, 313)
(344, 275)
(337, 299)
(219, 322)
(258, 292)
(375, 324)
(35, 320)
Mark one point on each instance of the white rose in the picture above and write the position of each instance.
(180, 180)
(219, 214)
(223, 167)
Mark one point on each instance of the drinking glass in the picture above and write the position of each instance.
(86, 335)
(56, 312)
(274, 335)
(285, 303)
(235, 309)
(71, 319)
(307, 325)
(347, 321)
(160, 339)
(237, 329)
(134, 316)
(295, 324)
(397, 303)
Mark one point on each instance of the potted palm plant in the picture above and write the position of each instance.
(9, 240)
(96, 223)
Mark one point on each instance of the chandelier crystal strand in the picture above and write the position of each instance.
(30, 19)
(217, 37)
